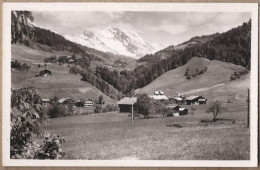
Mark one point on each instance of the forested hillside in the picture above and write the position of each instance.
(232, 46)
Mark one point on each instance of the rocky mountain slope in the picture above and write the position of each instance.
(116, 40)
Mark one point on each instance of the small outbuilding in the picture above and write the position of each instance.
(176, 110)
(45, 102)
(177, 100)
(126, 104)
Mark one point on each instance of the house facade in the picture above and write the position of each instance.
(88, 103)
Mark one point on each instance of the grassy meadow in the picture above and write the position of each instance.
(113, 136)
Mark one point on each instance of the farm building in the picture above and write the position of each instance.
(66, 101)
(176, 110)
(159, 95)
(177, 100)
(79, 103)
(195, 100)
(45, 102)
(125, 104)
(44, 73)
(88, 103)
(71, 61)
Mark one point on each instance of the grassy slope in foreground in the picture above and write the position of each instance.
(113, 136)
(61, 83)
(214, 84)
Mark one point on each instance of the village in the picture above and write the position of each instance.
(126, 104)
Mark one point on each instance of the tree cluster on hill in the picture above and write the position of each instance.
(19, 66)
(237, 75)
(27, 114)
(190, 74)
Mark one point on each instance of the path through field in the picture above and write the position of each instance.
(203, 89)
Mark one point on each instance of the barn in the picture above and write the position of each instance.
(195, 100)
(79, 103)
(66, 101)
(125, 104)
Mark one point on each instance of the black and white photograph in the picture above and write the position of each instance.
(130, 84)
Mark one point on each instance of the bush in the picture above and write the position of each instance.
(98, 109)
(110, 108)
(144, 105)
(26, 116)
(58, 110)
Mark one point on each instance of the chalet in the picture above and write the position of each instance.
(159, 95)
(176, 110)
(88, 103)
(44, 73)
(66, 101)
(45, 102)
(125, 104)
(195, 100)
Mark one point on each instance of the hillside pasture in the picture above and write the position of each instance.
(214, 84)
(109, 136)
(60, 84)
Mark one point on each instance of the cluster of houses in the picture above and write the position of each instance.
(127, 103)
(70, 102)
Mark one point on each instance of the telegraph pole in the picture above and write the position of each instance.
(248, 108)
(132, 113)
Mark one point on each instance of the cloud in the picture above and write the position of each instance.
(166, 28)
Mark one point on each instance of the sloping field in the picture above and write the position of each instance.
(214, 83)
(61, 83)
(113, 136)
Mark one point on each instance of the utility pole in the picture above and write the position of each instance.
(248, 108)
(132, 111)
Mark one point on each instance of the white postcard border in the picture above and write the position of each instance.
(174, 7)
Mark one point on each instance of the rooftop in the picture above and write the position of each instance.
(127, 100)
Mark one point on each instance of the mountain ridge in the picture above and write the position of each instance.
(117, 40)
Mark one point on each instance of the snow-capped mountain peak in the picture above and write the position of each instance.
(116, 40)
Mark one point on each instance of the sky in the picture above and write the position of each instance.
(157, 28)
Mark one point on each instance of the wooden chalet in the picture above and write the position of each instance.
(195, 100)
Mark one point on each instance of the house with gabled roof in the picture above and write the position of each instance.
(195, 100)
(126, 104)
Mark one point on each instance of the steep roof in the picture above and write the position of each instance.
(45, 100)
(178, 98)
(64, 99)
(127, 101)
(192, 97)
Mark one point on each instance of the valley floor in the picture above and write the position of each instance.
(112, 136)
